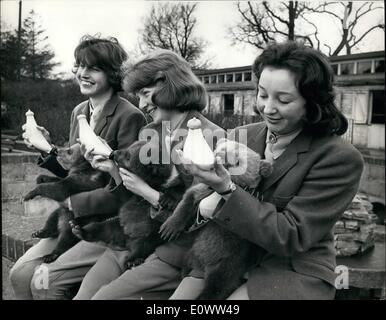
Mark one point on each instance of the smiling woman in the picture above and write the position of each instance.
(97, 66)
(315, 176)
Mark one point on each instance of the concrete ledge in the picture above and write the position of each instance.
(19, 157)
(13, 249)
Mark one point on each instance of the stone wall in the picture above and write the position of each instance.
(18, 175)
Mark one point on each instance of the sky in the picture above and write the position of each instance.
(65, 21)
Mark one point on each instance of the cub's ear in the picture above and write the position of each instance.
(266, 168)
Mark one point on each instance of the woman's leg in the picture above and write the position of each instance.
(108, 267)
(58, 279)
(22, 271)
(152, 275)
(189, 289)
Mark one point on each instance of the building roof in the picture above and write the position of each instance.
(359, 56)
(200, 72)
(348, 57)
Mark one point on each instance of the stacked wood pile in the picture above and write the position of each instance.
(354, 232)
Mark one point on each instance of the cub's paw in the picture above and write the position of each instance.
(41, 234)
(50, 257)
(133, 263)
(171, 228)
(76, 230)
(30, 195)
(44, 178)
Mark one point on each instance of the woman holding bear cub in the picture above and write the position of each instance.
(170, 93)
(291, 214)
(315, 176)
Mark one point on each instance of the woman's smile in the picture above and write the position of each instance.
(86, 83)
(273, 120)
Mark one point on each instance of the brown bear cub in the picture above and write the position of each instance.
(133, 229)
(81, 177)
(220, 255)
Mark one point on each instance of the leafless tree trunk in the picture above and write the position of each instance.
(172, 26)
(263, 22)
(349, 15)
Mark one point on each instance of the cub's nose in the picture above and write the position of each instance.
(120, 156)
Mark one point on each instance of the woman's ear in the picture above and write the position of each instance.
(313, 113)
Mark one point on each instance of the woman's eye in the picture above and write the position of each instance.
(263, 96)
(284, 101)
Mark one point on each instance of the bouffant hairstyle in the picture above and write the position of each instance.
(314, 77)
(106, 54)
(177, 87)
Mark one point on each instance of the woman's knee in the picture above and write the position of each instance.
(45, 285)
(20, 277)
(241, 293)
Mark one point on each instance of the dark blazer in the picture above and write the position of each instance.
(312, 183)
(119, 124)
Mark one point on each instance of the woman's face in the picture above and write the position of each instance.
(92, 81)
(147, 106)
(279, 101)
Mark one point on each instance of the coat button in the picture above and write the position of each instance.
(227, 219)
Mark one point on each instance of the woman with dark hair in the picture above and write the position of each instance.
(315, 176)
(97, 70)
(171, 95)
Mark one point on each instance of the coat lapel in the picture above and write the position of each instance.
(287, 160)
(257, 141)
(107, 111)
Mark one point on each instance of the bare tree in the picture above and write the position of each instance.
(349, 15)
(262, 22)
(172, 26)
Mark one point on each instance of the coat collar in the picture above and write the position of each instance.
(107, 111)
(287, 159)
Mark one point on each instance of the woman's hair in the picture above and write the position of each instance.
(106, 54)
(177, 87)
(314, 80)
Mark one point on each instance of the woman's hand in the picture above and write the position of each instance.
(218, 178)
(45, 133)
(136, 185)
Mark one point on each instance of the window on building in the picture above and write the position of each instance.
(247, 76)
(213, 79)
(364, 67)
(378, 106)
(229, 77)
(335, 68)
(347, 68)
(206, 79)
(229, 104)
(360, 103)
(379, 66)
(238, 77)
(220, 78)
